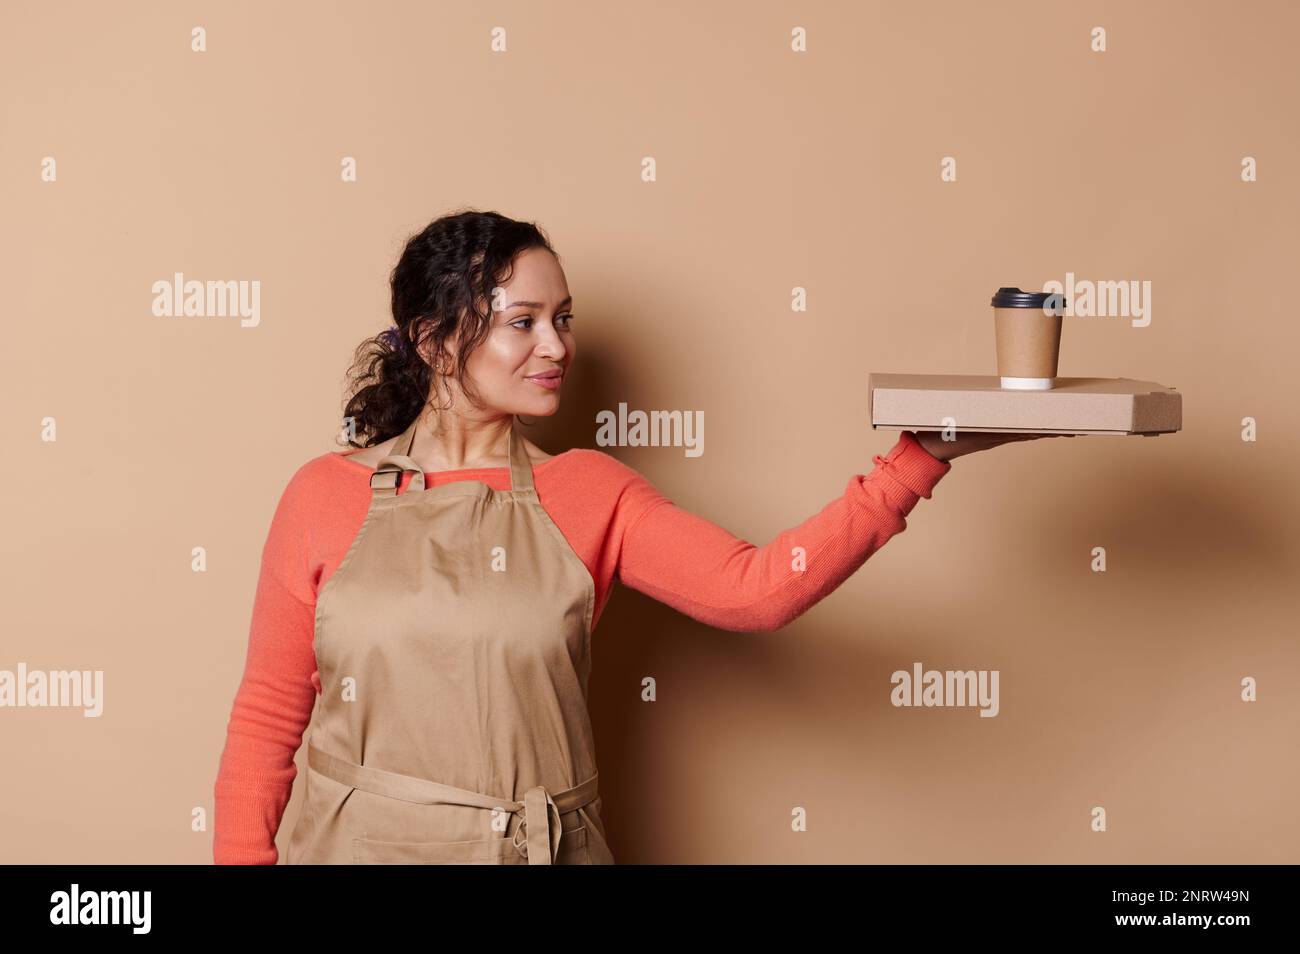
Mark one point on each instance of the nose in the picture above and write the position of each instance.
(550, 346)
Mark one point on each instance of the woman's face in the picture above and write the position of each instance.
(530, 336)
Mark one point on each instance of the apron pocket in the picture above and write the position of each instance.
(573, 848)
(483, 851)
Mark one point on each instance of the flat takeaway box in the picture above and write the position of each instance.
(968, 402)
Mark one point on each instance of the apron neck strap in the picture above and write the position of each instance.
(521, 468)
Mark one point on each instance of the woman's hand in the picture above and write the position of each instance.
(968, 442)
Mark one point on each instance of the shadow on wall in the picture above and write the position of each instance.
(747, 725)
(1171, 522)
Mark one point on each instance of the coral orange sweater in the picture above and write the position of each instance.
(617, 522)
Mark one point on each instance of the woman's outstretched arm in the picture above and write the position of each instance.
(704, 571)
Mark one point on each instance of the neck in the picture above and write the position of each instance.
(447, 442)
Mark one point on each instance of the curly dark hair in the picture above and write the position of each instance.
(442, 290)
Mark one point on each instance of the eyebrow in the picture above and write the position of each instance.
(536, 304)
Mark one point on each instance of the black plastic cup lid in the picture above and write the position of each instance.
(1015, 298)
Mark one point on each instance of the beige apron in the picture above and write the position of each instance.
(454, 646)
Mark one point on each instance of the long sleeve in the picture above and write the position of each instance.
(275, 697)
(702, 570)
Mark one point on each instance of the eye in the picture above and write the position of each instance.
(566, 318)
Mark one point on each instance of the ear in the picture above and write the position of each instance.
(451, 347)
(426, 350)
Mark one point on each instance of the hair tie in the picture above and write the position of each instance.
(395, 339)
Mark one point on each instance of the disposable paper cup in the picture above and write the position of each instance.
(1027, 330)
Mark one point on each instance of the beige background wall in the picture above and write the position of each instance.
(775, 169)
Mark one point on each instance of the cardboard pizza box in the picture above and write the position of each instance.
(931, 402)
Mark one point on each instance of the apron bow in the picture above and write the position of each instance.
(540, 828)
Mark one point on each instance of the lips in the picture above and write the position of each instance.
(550, 380)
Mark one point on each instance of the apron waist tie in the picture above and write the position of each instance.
(540, 827)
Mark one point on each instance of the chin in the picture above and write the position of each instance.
(533, 406)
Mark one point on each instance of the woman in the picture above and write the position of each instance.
(429, 608)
